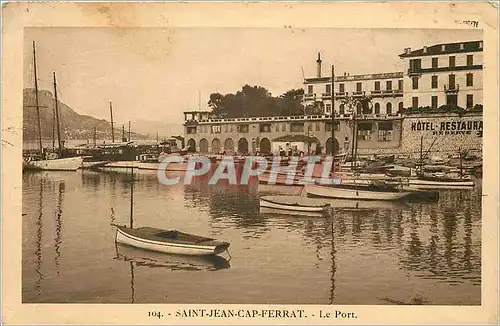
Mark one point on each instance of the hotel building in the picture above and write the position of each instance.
(444, 74)
(386, 90)
(437, 75)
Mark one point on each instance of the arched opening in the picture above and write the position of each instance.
(203, 145)
(388, 109)
(191, 145)
(329, 146)
(401, 106)
(243, 146)
(315, 146)
(229, 146)
(342, 109)
(359, 108)
(265, 146)
(216, 145)
(377, 108)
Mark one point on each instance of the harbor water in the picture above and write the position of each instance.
(384, 253)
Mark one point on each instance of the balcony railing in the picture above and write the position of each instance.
(358, 93)
(309, 96)
(326, 96)
(414, 72)
(451, 88)
(340, 94)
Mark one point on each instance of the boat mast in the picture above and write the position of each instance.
(57, 116)
(36, 102)
(123, 133)
(333, 119)
(132, 198)
(129, 131)
(112, 128)
(95, 136)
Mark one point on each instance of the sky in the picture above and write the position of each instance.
(154, 74)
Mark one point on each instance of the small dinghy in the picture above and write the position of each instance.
(169, 241)
(293, 203)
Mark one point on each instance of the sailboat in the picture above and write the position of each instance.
(50, 161)
(166, 241)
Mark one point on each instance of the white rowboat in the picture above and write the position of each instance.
(169, 241)
(293, 203)
(346, 192)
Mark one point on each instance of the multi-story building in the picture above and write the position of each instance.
(444, 74)
(386, 90)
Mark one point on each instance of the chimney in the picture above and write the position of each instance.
(424, 49)
(318, 66)
(407, 50)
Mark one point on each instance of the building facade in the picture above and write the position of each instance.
(386, 90)
(444, 74)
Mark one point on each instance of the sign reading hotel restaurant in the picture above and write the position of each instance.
(449, 127)
(216, 129)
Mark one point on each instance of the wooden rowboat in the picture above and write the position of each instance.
(169, 241)
(293, 203)
(354, 192)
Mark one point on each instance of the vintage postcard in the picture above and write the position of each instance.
(250, 163)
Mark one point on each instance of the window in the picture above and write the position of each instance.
(341, 88)
(328, 88)
(434, 102)
(328, 108)
(242, 128)
(317, 126)
(191, 130)
(414, 82)
(470, 60)
(388, 108)
(265, 127)
(216, 129)
(452, 61)
(388, 85)
(358, 87)
(401, 106)
(365, 130)
(328, 126)
(385, 131)
(377, 108)
(297, 127)
(415, 64)
(342, 109)
(451, 81)
(309, 89)
(470, 101)
(414, 102)
(359, 108)
(377, 85)
(277, 127)
(283, 127)
(230, 128)
(434, 82)
(470, 79)
(400, 84)
(225, 128)
(435, 62)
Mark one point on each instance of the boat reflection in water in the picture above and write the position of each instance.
(154, 259)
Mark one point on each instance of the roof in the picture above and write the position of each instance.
(384, 75)
(295, 138)
(469, 46)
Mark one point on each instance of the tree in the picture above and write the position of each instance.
(358, 105)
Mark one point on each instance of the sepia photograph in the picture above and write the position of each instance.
(286, 166)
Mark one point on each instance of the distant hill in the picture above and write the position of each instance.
(150, 128)
(73, 125)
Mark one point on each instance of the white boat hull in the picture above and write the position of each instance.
(342, 193)
(428, 184)
(290, 207)
(169, 248)
(174, 166)
(275, 211)
(90, 165)
(60, 164)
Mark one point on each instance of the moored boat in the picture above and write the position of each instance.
(370, 192)
(293, 203)
(169, 241)
(59, 164)
(173, 166)
(440, 184)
